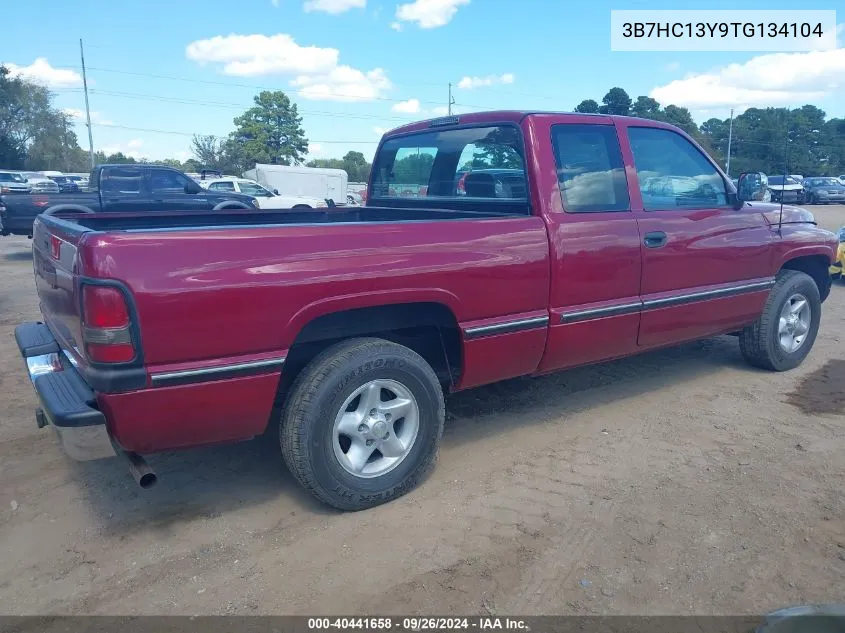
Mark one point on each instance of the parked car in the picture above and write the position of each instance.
(787, 189)
(266, 199)
(66, 185)
(842, 179)
(39, 183)
(122, 188)
(81, 180)
(824, 190)
(13, 182)
(168, 331)
(837, 269)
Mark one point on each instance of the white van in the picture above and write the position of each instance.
(312, 182)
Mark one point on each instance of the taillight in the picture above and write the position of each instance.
(106, 325)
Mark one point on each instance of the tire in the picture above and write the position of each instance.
(760, 342)
(309, 434)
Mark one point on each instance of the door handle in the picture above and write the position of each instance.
(655, 239)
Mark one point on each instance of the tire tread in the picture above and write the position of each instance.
(302, 397)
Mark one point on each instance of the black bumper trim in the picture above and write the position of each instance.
(66, 399)
(35, 339)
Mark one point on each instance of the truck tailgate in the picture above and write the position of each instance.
(54, 253)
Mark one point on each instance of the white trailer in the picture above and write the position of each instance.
(314, 182)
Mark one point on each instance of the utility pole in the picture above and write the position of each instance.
(451, 100)
(87, 109)
(730, 136)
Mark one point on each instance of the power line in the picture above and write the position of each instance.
(230, 84)
(230, 105)
(178, 133)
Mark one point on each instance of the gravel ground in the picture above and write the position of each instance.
(680, 481)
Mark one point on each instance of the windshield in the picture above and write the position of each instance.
(778, 180)
(822, 182)
(11, 178)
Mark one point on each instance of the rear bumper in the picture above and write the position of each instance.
(66, 400)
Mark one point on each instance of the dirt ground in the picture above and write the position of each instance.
(679, 482)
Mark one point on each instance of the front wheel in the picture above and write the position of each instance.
(784, 334)
(362, 423)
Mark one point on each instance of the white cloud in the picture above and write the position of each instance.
(40, 71)
(250, 55)
(444, 111)
(79, 117)
(343, 83)
(318, 74)
(470, 83)
(765, 80)
(429, 14)
(315, 148)
(334, 6)
(410, 106)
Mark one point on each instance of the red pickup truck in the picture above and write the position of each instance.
(572, 239)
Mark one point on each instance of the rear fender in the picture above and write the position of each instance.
(331, 305)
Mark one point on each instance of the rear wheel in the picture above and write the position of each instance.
(784, 334)
(362, 423)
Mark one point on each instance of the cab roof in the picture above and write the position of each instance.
(517, 116)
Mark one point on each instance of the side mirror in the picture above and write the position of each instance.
(751, 187)
(192, 188)
(276, 192)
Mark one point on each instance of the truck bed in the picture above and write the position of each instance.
(170, 220)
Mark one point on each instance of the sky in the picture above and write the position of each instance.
(160, 71)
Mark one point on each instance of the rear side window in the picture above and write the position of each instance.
(122, 180)
(454, 168)
(673, 173)
(590, 171)
(221, 186)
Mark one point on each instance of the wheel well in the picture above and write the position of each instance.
(430, 329)
(301, 206)
(816, 266)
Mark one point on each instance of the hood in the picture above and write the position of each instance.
(791, 215)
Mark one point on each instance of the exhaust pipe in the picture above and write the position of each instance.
(140, 470)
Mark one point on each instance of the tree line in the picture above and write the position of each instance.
(772, 140)
(36, 135)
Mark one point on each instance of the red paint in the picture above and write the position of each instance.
(211, 297)
(165, 418)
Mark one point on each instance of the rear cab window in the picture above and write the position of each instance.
(466, 168)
